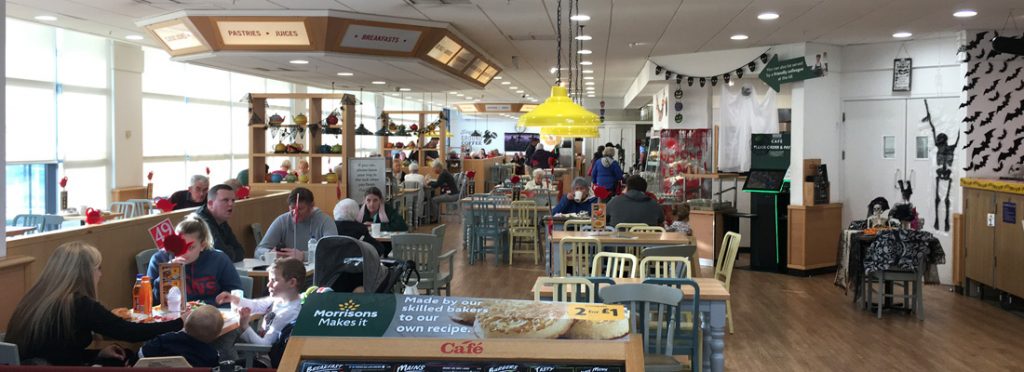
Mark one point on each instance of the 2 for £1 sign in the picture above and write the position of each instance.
(161, 231)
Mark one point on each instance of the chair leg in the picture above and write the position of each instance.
(511, 246)
(536, 254)
(728, 315)
(907, 302)
(919, 298)
(881, 294)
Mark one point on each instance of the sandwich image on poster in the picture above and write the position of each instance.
(387, 315)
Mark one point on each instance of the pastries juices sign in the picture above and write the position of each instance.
(263, 33)
(385, 315)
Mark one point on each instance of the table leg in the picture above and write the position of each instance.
(717, 336)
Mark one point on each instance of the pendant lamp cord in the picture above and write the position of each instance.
(571, 57)
(558, 41)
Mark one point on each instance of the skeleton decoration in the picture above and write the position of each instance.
(878, 215)
(944, 162)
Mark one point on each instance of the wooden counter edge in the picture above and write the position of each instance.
(817, 206)
(1005, 186)
(12, 261)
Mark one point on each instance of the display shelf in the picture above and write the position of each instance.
(421, 149)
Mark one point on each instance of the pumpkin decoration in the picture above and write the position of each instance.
(336, 149)
(280, 148)
(300, 119)
(331, 177)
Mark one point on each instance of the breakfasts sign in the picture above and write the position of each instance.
(380, 38)
(387, 315)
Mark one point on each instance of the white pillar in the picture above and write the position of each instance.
(3, 129)
(127, 64)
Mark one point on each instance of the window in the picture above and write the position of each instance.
(888, 147)
(27, 191)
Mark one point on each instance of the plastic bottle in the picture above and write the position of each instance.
(311, 249)
(173, 303)
(146, 296)
(137, 295)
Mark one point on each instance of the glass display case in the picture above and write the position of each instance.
(686, 163)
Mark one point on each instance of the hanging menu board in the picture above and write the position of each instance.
(364, 173)
(263, 33)
(380, 38)
(177, 36)
(770, 151)
(444, 50)
(461, 59)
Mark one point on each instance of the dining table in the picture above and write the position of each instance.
(17, 230)
(712, 303)
(614, 239)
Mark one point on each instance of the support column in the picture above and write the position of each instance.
(127, 64)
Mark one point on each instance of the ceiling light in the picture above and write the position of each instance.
(506, 83)
(553, 70)
(460, 95)
(453, 92)
(637, 43)
(404, 89)
(298, 62)
(586, 63)
(590, 88)
(580, 18)
(345, 74)
(591, 95)
(588, 78)
(498, 78)
(583, 37)
(768, 16)
(588, 71)
(513, 88)
(520, 91)
(134, 37)
(583, 51)
(902, 35)
(965, 13)
(378, 82)
(589, 83)
(739, 37)
(46, 18)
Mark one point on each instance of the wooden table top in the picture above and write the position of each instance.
(631, 238)
(81, 217)
(249, 266)
(710, 288)
(17, 230)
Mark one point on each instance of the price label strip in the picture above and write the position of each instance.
(596, 312)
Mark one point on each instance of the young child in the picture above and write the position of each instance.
(682, 222)
(282, 307)
(202, 326)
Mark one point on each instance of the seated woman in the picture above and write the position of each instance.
(374, 210)
(579, 201)
(56, 319)
(539, 181)
(346, 213)
(414, 174)
(208, 271)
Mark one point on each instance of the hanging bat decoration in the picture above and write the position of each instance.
(970, 100)
(985, 143)
(969, 144)
(988, 119)
(1006, 65)
(1012, 150)
(996, 98)
(1015, 73)
(974, 82)
(1006, 101)
(998, 168)
(973, 70)
(992, 53)
(990, 68)
(993, 87)
(980, 54)
(1020, 87)
(1016, 113)
(1005, 132)
(1019, 130)
(977, 40)
(972, 118)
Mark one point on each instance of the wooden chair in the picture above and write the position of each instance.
(724, 265)
(635, 250)
(614, 265)
(687, 339)
(439, 231)
(689, 251)
(257, 232)
(522, 225)
(911, 281)
(575, 225)
(577, 253)
(654, 314)
(126, 209)
(626, 226)
(453, 208)
(414, 203)
(425, 251)
(563, 289)
(665, 267)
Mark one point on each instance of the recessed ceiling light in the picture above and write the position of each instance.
(965, 13)
(134, 37)
(584, 51)
(590, 88)
(345, 74)
(586, 63)
(498, 78)
(588, 78)
(506, 83)
(592, 96)
(460, 95)
(404, 89)
(637, 43)
(378, 82)
(768, 16)
(298, 62)
(739, 37)
(588, 71)
(580, 18)
(902, 35)
(583, 37)
(453, 92)
(589, 83)
(513, 88)
(46, 18)
(520, 91)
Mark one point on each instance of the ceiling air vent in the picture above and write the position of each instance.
(531, 37)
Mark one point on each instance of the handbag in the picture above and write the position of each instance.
(411, 289)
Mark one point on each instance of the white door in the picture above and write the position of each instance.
(874, 145)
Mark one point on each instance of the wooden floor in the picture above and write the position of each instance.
(787, 323)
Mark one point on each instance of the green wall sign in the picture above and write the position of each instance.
(776, 72)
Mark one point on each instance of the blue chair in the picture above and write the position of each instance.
(654, 314)
(42, 222)
(686, 340)
(487, 225)
(600, 281)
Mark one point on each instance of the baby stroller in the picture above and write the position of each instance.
(344, 264)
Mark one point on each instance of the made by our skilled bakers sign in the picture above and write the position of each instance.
(387, 315)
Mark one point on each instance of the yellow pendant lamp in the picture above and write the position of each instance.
(559, 110)
(571, 131)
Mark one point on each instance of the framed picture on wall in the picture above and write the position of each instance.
(901, 76)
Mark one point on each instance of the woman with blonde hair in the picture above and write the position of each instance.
(208, 271)
(56, 319)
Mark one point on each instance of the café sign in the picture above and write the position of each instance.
(177, 36)
(263, 33)
(380, 38)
